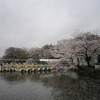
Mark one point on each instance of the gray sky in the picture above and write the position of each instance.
(34, 23)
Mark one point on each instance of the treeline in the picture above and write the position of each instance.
(24, 53)
(81, 47)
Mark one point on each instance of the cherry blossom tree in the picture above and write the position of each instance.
(46, 51)
(59, 51)
(34, 53)
(84, 45)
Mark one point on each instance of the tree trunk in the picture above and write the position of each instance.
(72, 61)
(88, 61)
(78, 63)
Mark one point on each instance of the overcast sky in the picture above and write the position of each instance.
(34, 23)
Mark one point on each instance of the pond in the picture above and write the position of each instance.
(47, 86)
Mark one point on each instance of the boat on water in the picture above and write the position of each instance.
(25, 68)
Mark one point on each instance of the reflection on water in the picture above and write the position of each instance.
(47, 86)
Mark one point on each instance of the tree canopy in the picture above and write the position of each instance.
(84, 45)
(15, 53)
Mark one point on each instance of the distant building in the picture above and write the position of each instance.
(49, 60)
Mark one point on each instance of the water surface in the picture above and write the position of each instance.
(47, 86)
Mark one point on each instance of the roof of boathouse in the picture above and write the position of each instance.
(49, 60)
